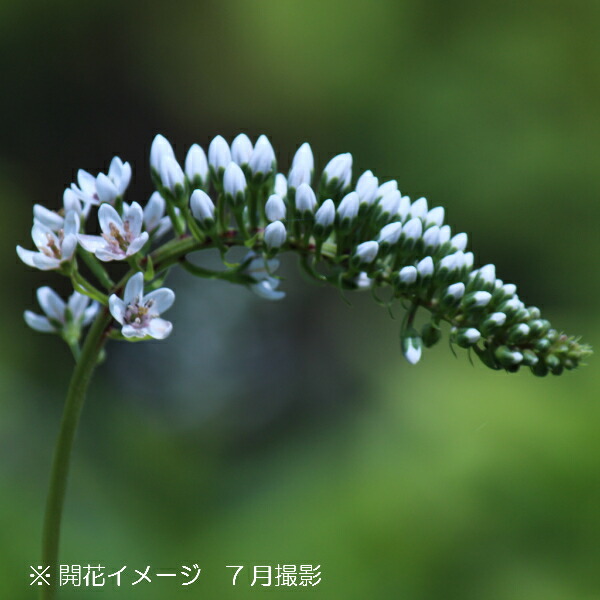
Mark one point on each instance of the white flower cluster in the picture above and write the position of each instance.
(365, 235)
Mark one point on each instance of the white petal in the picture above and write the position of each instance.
(91, 243)
(133, 332)
(266, 291)
(107, 190)
(160, 148)
(154, 211)
(77, 304)
(38, 322)
(137, 244)
(159, 328)
(45, 263)
(160, 300)
(48, 218)
(26, 256)
(134, 289)
(117, 308)
(135, 217)
(68, 246)
(90, 313)
(107, 215)
(108, 254)
(51, 303)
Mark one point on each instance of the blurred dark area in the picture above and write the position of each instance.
(294, 432)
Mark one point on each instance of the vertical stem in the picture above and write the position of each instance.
(62, 453)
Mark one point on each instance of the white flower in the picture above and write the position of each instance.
(86, 192)
(154, 219)
(304, 157)
(160, 149)
(510, 289)
(387, 187)
(281, 185)
(348, 208)
(390, 233)
(196, 165)
(77, 312)
(497, 318)
(139, 315)
(241, 149)
(306, 201)
(202, 206)
(275, 208)
(263, 156)
(234, 182)
(121, 238)
(478, 299)
(339, 168)
(119, 174)
(219, 154)
(275, 235)
(366, 252)
(325, 215)
(171, 174)
(260, 269)
(418, 209)
(367, 188)
(72, 202)
(54, 248)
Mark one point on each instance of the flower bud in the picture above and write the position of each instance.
(467, 337)
(477, 299)
(202, 207)
(387, 187)
(299, 174)
(530, 359)
(219, 155)
(367, 188)
(306, 201)
(493, 323)
(171, 175)
(425, 268)
(403, 208)
(159, 150)
(412, 345)
(418, 209)
(431, 238)
(234, 184)
(406, 277)
(348, 208)
(304, 158)
(390, 234)
(453, 294)
(445, 233)
(411, 232)
(241, 149)
(539, 327)
(366, 252)
(459, 241)
(281, 185)
(507, 357)
(196, 166)
(390, 204)
(263, 157)
(275, 235)
(518, 333)
(435, 216)
(275, 208)
(338, 171)
(430, 334)
(325, 216)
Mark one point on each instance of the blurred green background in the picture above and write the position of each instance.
(294, 432)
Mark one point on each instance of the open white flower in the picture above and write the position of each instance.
(139, 314)
(54, 247)
(121, 238)
(261, 271)
(103, 188)
(77, 312)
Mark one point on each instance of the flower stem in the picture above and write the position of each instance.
(62, 453)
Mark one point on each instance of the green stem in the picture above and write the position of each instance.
(64, 444)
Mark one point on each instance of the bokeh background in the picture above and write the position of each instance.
(294, 433)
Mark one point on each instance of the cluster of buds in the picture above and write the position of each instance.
(358, 234)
